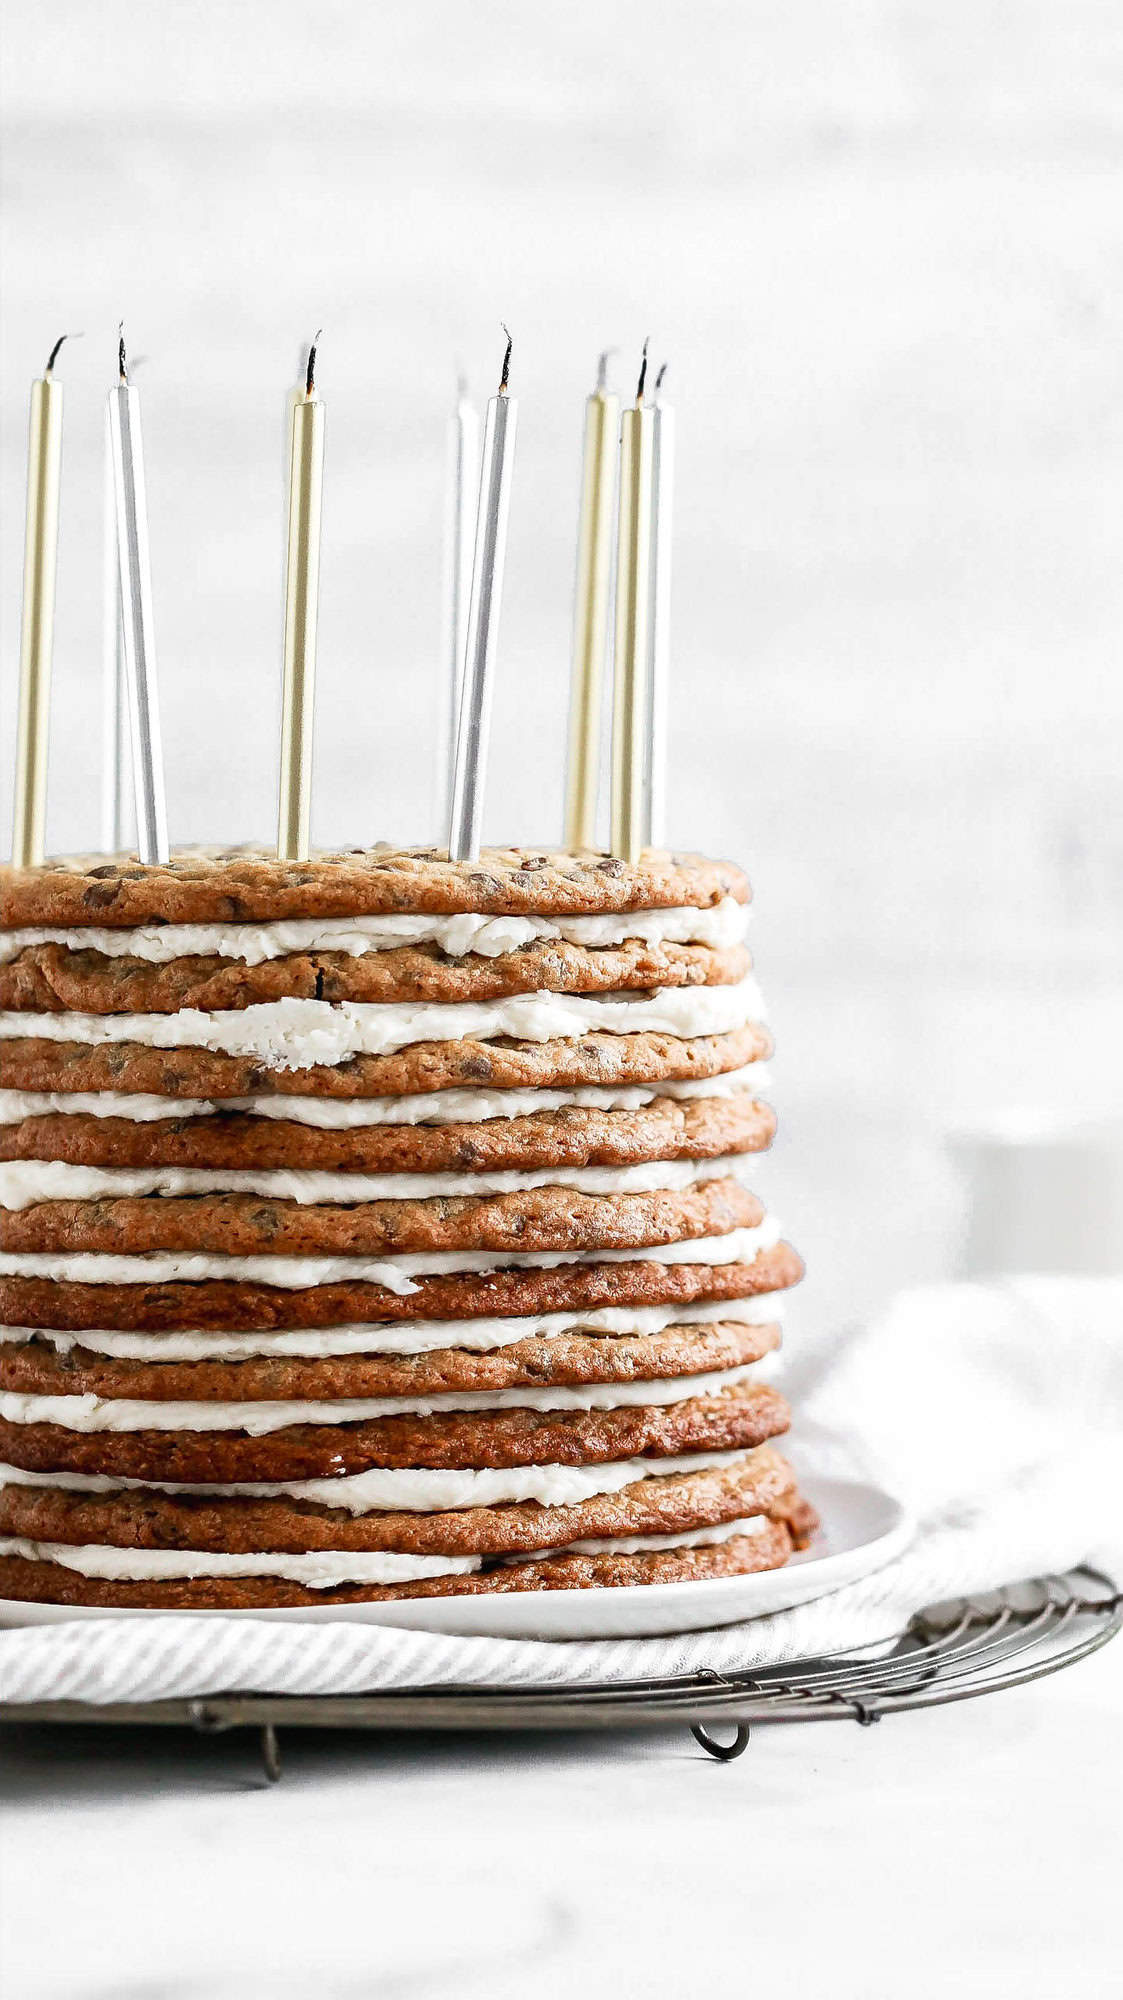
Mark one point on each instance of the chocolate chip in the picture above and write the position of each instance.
(613, 866)
(100, 898)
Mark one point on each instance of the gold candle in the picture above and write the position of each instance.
(302, 591)
(590, 612)
(633, 569)
(44, 462)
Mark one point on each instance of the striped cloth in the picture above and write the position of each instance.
(994, 1411)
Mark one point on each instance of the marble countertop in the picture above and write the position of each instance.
(973, 1850)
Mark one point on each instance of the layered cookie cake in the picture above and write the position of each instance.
(380, 1226)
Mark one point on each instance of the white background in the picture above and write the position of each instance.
(880, 244)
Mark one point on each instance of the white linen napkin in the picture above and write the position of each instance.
(994, 1411)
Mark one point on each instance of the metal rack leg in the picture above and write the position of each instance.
(724, 1752)
(270, 1753)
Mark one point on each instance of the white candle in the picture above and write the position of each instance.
(483, 622)
(462, 493)
(135, 572)
(295, 396)
(658, 624)
(114, 693)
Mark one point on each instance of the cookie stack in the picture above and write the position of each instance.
(380, 1226)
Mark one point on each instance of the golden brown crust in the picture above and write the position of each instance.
(536, 1219)
(760, 1482)
(249, 885)
(49, 978)
(746, 1414)
(34, 1368)
(222, 1305)
(702, 1129)
(741, 1555)
(601, 1059)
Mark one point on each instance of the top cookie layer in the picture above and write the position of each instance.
(249, 885)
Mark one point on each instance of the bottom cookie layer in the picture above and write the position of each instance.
(27, 1580)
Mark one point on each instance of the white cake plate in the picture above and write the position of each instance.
(863, 1529)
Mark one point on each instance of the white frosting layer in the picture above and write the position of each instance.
(409, 1491)
(418, 1336)
(297, 1034)
(636, 1545)
(397, 1274)
(723, 924)
(319, 1571)
(438, 1107)
(25, 1182)
(324, 1568)
(123, 1413)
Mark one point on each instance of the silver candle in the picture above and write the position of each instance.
(138, 637)
(629, 690)
(658, 617)
(470, 769)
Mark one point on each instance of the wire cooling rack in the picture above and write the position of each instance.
(951, 1652)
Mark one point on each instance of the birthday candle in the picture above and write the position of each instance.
(137, 629)
(633, 566)
(483, 621)
(114, 692)
(590, 611)
(659, 608)
(462, 498)
(302, 595)
(40, 554)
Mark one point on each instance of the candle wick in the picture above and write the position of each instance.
(54, 354)
(122, 362)
(642, 383)
(310, 377)
(659, 377)
(602, 369)
(505, 376)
